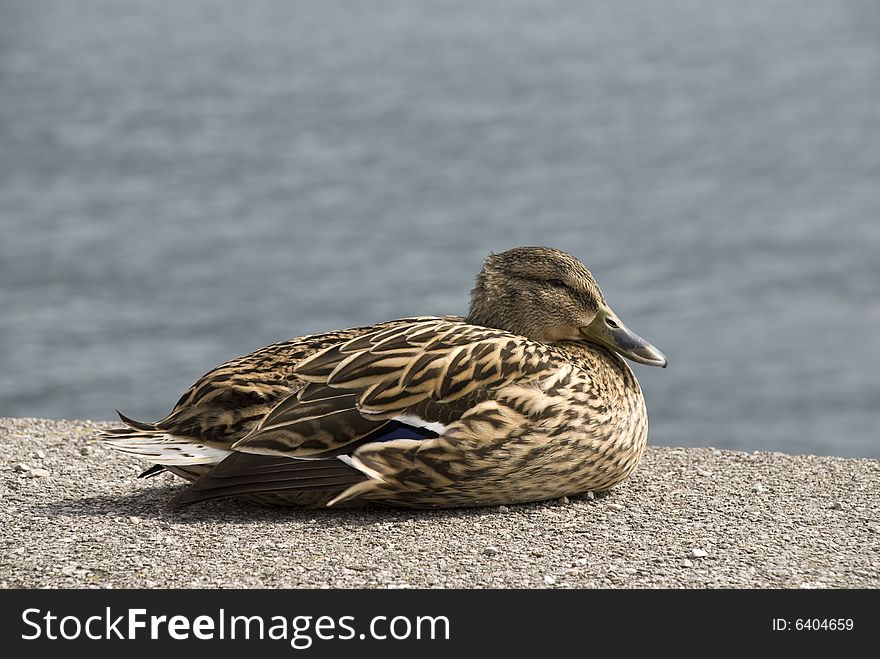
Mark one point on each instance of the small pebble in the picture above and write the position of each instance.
(490, 550)
(134, 520)
(615, 506)
(758, 488)
(38, 473)
(837, 505)
(687, 563)
(563, 500)
(591, 496)
(549, 580)
(503, 509)
(85, 450)
(703, 472)
(696, 552)
(581, 561)
(41, 454)
(21, 467)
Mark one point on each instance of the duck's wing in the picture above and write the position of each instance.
(425, 375)
(226, 403)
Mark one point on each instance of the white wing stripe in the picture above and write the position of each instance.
(418, 422)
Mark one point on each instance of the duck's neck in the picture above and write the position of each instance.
(484, 320)
(499, 312)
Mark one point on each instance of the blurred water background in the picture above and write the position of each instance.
(182, 183)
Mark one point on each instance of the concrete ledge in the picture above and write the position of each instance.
(73, 515)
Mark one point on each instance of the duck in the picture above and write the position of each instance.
(527, 398)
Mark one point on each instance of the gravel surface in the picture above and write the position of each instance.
(74, 515)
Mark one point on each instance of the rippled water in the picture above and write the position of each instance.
(181, 183)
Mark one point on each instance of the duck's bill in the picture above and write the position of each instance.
(608, 330)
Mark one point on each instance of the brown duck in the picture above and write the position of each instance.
(527, 398)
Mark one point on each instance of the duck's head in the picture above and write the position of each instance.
(548, 295)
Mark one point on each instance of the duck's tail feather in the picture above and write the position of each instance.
(249, 473)
(148, 442)
(155, 470)
(136, 425)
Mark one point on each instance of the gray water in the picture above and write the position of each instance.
(182, 183)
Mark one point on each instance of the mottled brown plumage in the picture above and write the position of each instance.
(525, 399)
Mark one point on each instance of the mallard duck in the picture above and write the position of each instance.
(527, 398)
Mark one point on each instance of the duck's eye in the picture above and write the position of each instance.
(556, 283)
(612, 323)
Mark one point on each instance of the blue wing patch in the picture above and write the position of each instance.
(398, 430)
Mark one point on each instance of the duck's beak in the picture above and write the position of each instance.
(608, 330)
